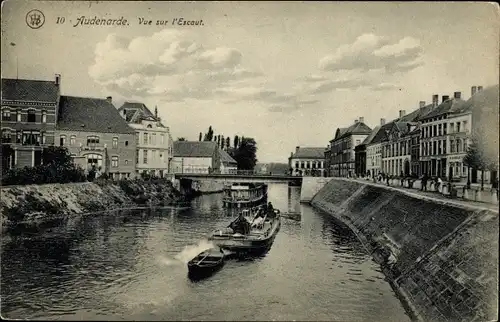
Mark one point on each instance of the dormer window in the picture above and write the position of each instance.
(149, 126)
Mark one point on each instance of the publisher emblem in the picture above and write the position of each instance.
(35, 19)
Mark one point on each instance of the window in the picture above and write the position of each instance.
(444, 146)
(114, 162)
(145, 138)
(145, 156)
(445, 126)
(62, 140)
(31, 116)
(149, 126)
(440, 130)
(434, 130)
(162, 139)
(44, 116)
(18, 137)
(126, 162)
(302, 165)
(19, 116)
(137, 137)
(92, 140)
(6, 115)
(452, 146)
(126, 143)
(458, 127)
(6, 136)
(136, 156)
(465, 126)
(296, 164)
(31, 138)
(72, 140)
(44, 138)
(94, 160)
(459, 143)
(115, 143)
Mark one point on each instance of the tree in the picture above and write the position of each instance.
(57, 156)
(222, 142)
(218, 140)
(245, 154)
(210, 134)
(228, 142)
(236, 142)
(181, 139)
(200, 136)
(475, 159)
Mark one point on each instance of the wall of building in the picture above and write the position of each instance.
(192, 165)
(306, 164)
(374, 158)
(125, 149)
(156, 147)
(441, 257)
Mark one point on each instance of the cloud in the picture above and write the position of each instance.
(370, 52)
(385, 87)
(168, 65)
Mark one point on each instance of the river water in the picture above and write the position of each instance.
(132, 265)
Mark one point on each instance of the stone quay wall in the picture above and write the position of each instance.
(440, 256)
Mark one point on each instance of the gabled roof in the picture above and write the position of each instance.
(226, 158)
(404, 127)
(29, 90)
(382, 133)
(449, 106)
(417, 114)
(309, 153)
(370, 137)
(356, 128)
(136, 112)
(194, 149)
(90, 114)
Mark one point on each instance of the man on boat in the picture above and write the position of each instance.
(270, 210)
(240, 225)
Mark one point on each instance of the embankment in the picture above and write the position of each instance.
(31, 204)
(441, 257)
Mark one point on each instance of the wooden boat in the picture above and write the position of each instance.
(256, 242)
(206, 263)
(241, 195)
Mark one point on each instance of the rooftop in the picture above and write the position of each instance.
(136, 112)
(372, 135)
(356, 128)
(225, 157)
(90, 114)
(309, 153)
(29, 90)
(452, 105)
(194, 149)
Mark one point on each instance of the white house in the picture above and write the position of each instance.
(201, 157)
(307, 161)
(154, 144)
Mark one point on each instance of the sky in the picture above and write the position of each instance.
(285, 73)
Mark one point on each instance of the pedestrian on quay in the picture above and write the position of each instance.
(424, 182)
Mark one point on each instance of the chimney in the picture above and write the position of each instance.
(479, 88)
(445, 98)
(382, 122)
(402, 113)
(473, 90)
(297, 149)
(58, 80)
(109, 99)
(421, 104)
(435, 100)
(362, 119)
(457, 95)
(356, 121)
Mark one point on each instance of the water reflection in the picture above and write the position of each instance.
(132, 265)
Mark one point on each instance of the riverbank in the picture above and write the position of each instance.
(34, 204)
(440, 256)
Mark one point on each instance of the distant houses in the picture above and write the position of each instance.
(201, 157)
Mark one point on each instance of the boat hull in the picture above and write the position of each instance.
(199, 272)
(247, 245)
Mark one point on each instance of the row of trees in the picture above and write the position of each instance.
(243, 150)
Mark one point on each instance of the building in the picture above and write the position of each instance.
(373, 148)
(228, 164)
(96, 135)
(153, 140)
(328, 153)
(342, 157)
(360, 160)
(307, 161)
(29, 115)
(201, 157)
(396, 148)
(434, 145)
(485, 107)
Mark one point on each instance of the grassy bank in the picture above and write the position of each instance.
(38, 203)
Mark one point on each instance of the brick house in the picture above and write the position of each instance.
(96, 134)
(29, 114)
